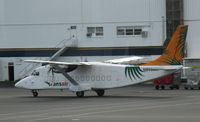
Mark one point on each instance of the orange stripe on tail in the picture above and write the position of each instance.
(174, 53)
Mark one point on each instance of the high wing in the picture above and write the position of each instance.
(62, 63)
(129, 60)
(147, 68)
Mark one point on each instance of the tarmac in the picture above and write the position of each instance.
(131, 104)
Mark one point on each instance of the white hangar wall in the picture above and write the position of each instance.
(192, 18)
(27, 24)
(43, 23)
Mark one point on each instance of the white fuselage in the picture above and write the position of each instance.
(100, 76)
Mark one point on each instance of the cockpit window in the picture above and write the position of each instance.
(35, 73)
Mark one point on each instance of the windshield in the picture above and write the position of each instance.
(35, 73)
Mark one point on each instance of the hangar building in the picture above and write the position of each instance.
(86, 30)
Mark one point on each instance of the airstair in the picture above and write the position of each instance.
(61, 47)
(67, 43)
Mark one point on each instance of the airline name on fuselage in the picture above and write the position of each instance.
(62, 83)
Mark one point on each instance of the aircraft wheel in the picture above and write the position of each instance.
(186, 88)
(177, 87)
(171, 87)
(80, 94)
(157, 87)
(35, 94)
(100, 93)
(163, 87)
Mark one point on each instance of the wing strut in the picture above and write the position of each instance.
(66, 75)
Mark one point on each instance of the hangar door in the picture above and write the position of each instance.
(11, 71)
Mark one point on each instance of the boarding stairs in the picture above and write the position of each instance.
(61, 47)
(66, 44)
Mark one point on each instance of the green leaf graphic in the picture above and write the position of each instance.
(129, 73)
(134, 72)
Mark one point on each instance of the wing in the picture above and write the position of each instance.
(167, 67)
(62, 63)
(129, 60)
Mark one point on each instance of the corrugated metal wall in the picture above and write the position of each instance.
(192, 18)
(174, 14)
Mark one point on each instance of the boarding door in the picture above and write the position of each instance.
(73, 32)
(11, 71)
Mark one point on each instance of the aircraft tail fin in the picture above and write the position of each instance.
(174, 53)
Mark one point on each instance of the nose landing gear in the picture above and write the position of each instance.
(80, 94)
(35, 93)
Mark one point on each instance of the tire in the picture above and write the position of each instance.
(177, 87)
(100, 93)
(171, 87)
(163, 87)
(186, 88)
(80, 94)
(192, 88)
(35, 94)
(157, 87)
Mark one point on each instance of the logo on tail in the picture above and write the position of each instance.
(174, 53)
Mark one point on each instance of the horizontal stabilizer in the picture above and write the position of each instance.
(129, 60)
(173, 67)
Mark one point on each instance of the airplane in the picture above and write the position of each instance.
(80, 77)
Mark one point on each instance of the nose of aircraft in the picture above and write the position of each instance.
(19, 84)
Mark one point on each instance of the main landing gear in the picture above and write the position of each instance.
(100, 93)
(35, 93)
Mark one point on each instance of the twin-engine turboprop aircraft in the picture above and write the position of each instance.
(100, 76)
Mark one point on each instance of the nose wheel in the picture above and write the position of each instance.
(80, 94)
(35, 93)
